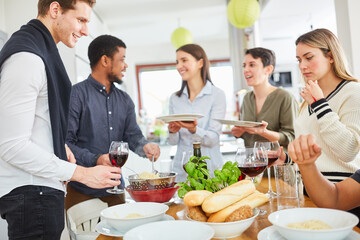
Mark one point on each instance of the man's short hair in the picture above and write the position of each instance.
(103, 45)
(43, 5)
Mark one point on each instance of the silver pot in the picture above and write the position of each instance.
(166, 180)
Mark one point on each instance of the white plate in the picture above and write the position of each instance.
(179, 117)
(174, 230)
(104, 229)
(270, 233)
(239, 123)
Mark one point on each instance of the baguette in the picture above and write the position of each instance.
(254, 200)
(195, 197)
(228, 196)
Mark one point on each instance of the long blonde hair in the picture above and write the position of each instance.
(327, 42)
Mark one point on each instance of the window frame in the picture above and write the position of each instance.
(141, 67)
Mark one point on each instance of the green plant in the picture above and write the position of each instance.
(199, 178)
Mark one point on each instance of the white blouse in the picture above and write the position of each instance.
(211, 103)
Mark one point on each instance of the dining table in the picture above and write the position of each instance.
(177, 210)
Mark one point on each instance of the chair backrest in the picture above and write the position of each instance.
(83, 217)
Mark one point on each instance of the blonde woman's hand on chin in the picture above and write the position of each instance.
(304, 150)
(312, 92)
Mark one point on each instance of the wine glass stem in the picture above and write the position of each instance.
(252, 179)
(269, 179)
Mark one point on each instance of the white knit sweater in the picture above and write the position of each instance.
(335, 121)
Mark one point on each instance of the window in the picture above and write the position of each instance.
(156, 83)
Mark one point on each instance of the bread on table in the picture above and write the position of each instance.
(228, 196)
(254, 200)
(241, 213)
(196, 213)
(196, 197)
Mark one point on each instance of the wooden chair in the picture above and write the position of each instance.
(83, 217)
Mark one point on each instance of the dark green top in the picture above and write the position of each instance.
(279, 111)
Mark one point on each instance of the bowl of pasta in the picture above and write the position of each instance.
(313, 223)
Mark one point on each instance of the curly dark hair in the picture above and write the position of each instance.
(103, 45)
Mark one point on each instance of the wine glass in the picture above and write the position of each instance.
(118, 154)
(273, 153)
(251, 161)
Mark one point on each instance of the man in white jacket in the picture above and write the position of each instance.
(34, 98)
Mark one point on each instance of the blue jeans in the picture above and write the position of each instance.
(33, 212)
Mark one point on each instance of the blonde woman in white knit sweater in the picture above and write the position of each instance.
(331, 110)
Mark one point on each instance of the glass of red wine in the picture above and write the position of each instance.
(118, 154)
(251, 161)
(273, 153)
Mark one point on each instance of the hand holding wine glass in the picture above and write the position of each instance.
(118, 153)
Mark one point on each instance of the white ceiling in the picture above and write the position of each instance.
(147, 22)
(142, 22)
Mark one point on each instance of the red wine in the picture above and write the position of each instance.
(272, 159)
(251, 169)
(241, 177)
(118, 159)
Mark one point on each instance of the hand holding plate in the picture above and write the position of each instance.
(238, 131)
(257, 130)
(191, 126)
(174, 127)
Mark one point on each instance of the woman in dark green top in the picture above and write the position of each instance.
(274, 107)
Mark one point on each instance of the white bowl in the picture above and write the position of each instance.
(231, 229)
(116, 215)
(174, 230)
(341, 223)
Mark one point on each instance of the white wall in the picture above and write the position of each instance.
(348, 20)
(2, 15)
(17, 13)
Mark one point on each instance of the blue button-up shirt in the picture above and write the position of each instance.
(95, 120)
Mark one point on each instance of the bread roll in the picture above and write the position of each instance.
(196, 213)
(228, 196)
(254, 200)
(195, 197)
(239, 214)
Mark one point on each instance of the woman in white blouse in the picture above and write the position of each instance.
(197, 96)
